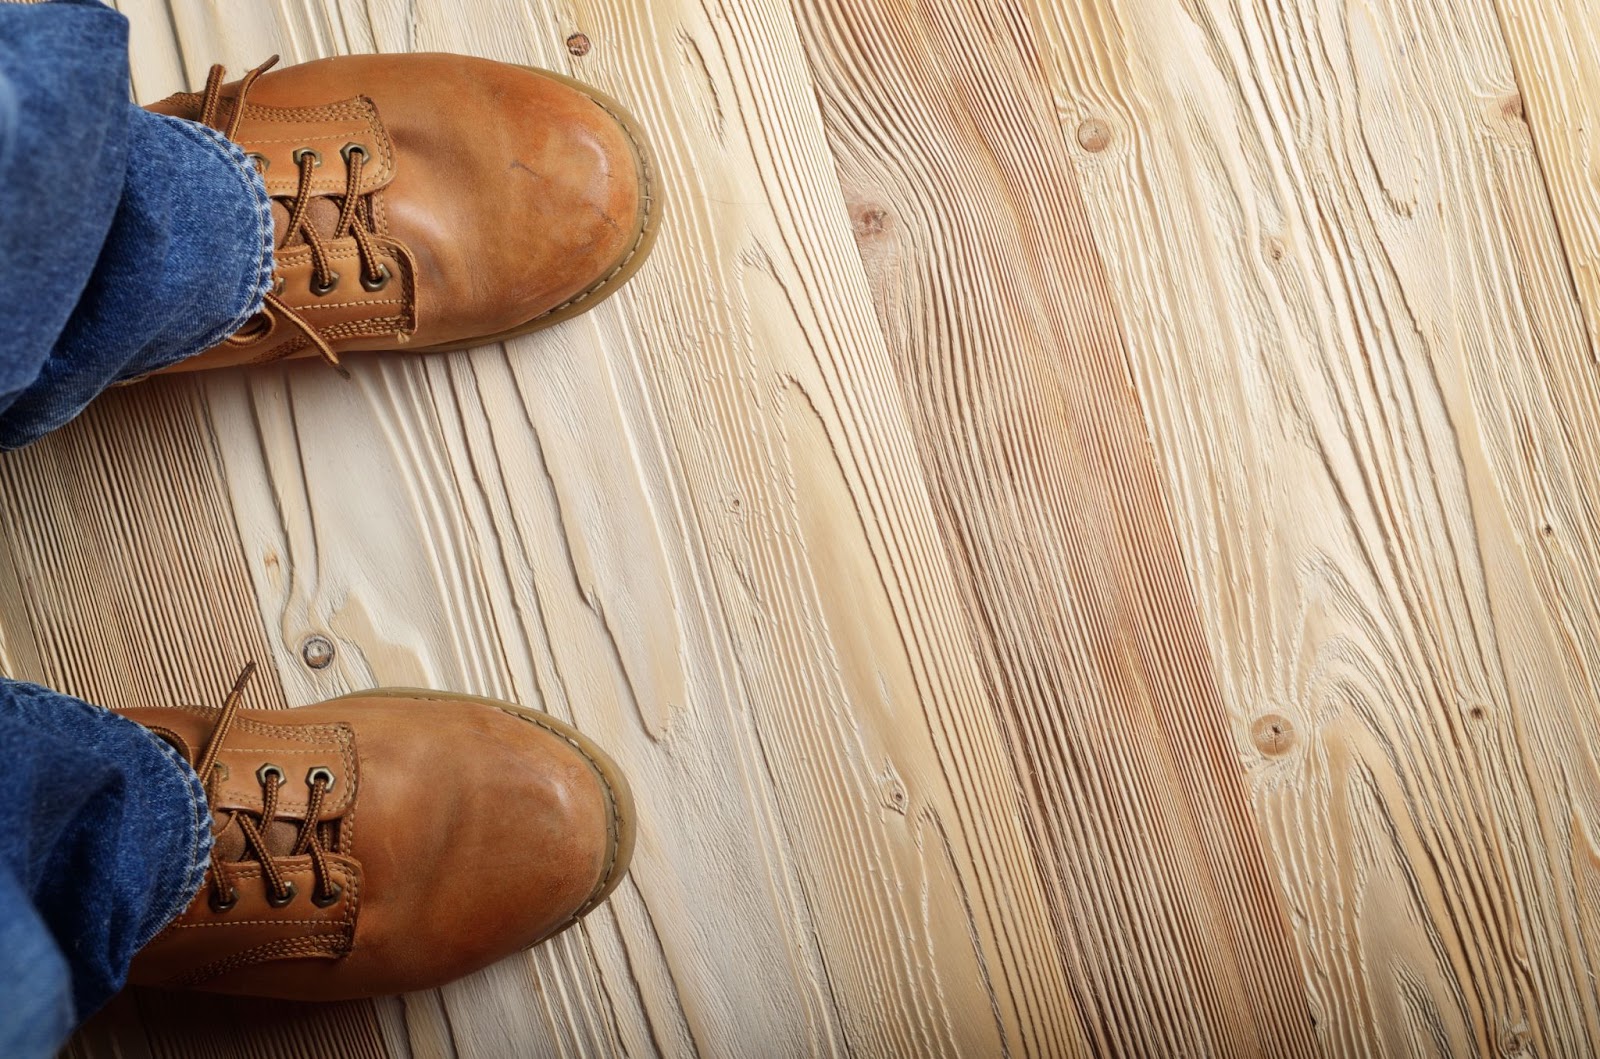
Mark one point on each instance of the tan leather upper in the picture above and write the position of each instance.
(498, 195)
(459, 831)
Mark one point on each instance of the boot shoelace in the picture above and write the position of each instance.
(280, 891)
(355, 210)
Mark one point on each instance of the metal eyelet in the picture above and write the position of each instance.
(277, 284)
(269, 769)
(380, 282)
(300, 152)
(354, 148)
(321, 772)
(288, 895)
(262, 162)
(222, 904)
(331, 899)
(319, 290)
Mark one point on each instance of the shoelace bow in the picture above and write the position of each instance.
(309, 840)
(355, 211)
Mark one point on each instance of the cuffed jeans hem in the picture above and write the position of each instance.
(250, 295)
(188, 261)
(199, 821)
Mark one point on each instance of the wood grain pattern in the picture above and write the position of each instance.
(1364, 371)
(1082, 536)
(694, 523)
(992, 297)
(115, 601)
(1555, 48)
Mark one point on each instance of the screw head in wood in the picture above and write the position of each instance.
(317, 652)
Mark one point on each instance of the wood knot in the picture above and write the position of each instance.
(578, 44)
(892, 789)
(1274, 248)
(1506, 116)
(1273, 734)
(1517, 1041)
(1094, 135)
(317, 652)
(869, 221)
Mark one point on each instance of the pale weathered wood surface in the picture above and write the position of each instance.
(1082, 535)
(998, 314)
(1347, 311)
(1555, 48)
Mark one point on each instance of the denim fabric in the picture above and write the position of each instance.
(104, 838)
(128, 240)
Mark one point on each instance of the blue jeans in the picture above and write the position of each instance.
(104, 838)
(128, 241)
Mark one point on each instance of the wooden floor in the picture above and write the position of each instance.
(1086, 534)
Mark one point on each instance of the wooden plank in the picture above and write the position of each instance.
(1348, 317)
(1555, 48)
(995, 304)
(695, 523)
(118, 541)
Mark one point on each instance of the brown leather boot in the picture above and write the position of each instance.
(385, 841)
(429, 202)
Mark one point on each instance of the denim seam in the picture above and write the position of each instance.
(252, 292)
(199, 850)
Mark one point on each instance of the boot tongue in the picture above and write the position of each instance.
(229, 844)
(322, 214)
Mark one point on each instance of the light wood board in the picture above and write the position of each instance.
(1081, 536)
